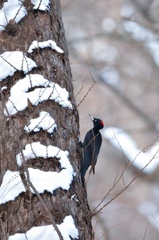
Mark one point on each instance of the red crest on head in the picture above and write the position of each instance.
(102, 123)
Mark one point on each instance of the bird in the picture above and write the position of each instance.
(91, 147)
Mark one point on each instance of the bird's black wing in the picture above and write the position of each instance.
(95, 150)
(91, 148)
(87, 150)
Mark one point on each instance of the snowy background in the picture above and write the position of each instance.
(118, 42)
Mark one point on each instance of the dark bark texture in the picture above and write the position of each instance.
(26, 210)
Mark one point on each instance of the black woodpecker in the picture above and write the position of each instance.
(91, 147)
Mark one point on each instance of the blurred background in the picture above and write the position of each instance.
(116, 43)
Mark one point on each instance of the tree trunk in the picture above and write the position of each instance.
(21, 210)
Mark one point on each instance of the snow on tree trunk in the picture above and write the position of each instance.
(39, 152)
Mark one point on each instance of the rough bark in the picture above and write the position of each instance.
(26, 210)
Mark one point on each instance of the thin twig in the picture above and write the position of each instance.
(125, 188)
(87, 91)
(145, 233)
(83, 85)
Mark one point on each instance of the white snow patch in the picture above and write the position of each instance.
(11, 10)
(45, 44)
(50, 181)
(44, 121)
(74, 197)
(67, 229)
(43, 5)
(108, 25)
(139, 158)
(138, 32)
(141, 33)
(153, 48)
(36, 149)
(12, 184)
(111, 76)
(3, 88)
(127, 11)
(12, 61)
(19, 95)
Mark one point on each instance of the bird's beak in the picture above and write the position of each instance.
(91, 117)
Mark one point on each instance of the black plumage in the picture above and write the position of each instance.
(91, 147)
